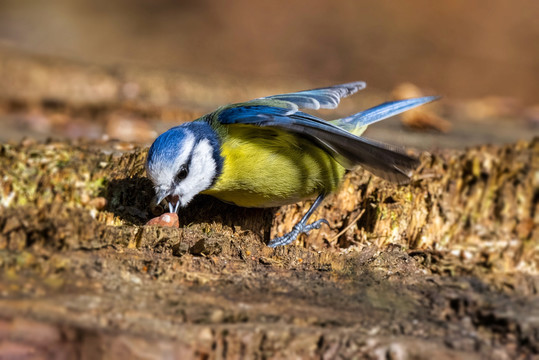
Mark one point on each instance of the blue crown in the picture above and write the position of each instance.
(165, 148)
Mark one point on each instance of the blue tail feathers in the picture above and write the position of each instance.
(358, 123)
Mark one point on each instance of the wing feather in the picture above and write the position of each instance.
(349, 150)
(321, 98)
(383, 111)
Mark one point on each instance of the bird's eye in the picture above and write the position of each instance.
(182, 173)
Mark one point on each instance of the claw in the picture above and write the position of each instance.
(298, 229)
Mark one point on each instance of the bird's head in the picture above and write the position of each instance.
(184, 161)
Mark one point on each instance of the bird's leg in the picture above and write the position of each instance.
(301, 227)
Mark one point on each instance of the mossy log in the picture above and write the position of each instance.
(446, 266)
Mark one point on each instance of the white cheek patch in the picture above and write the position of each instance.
(162, 172)
(202, 171)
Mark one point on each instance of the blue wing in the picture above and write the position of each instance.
(321, 98)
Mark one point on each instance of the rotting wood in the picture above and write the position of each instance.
(446, 266)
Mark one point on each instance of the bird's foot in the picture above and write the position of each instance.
(299, 228)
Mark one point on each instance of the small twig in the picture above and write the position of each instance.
(349, 225)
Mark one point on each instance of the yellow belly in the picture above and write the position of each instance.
(266, 167)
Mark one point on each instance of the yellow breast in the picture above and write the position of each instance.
(266, 167)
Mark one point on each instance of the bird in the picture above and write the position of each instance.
(267, 153)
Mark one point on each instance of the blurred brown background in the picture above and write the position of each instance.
(458, 49)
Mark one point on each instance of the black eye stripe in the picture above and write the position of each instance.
(183, 171)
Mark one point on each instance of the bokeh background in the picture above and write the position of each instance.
(483, 54)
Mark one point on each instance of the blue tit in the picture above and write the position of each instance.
(266, 153)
